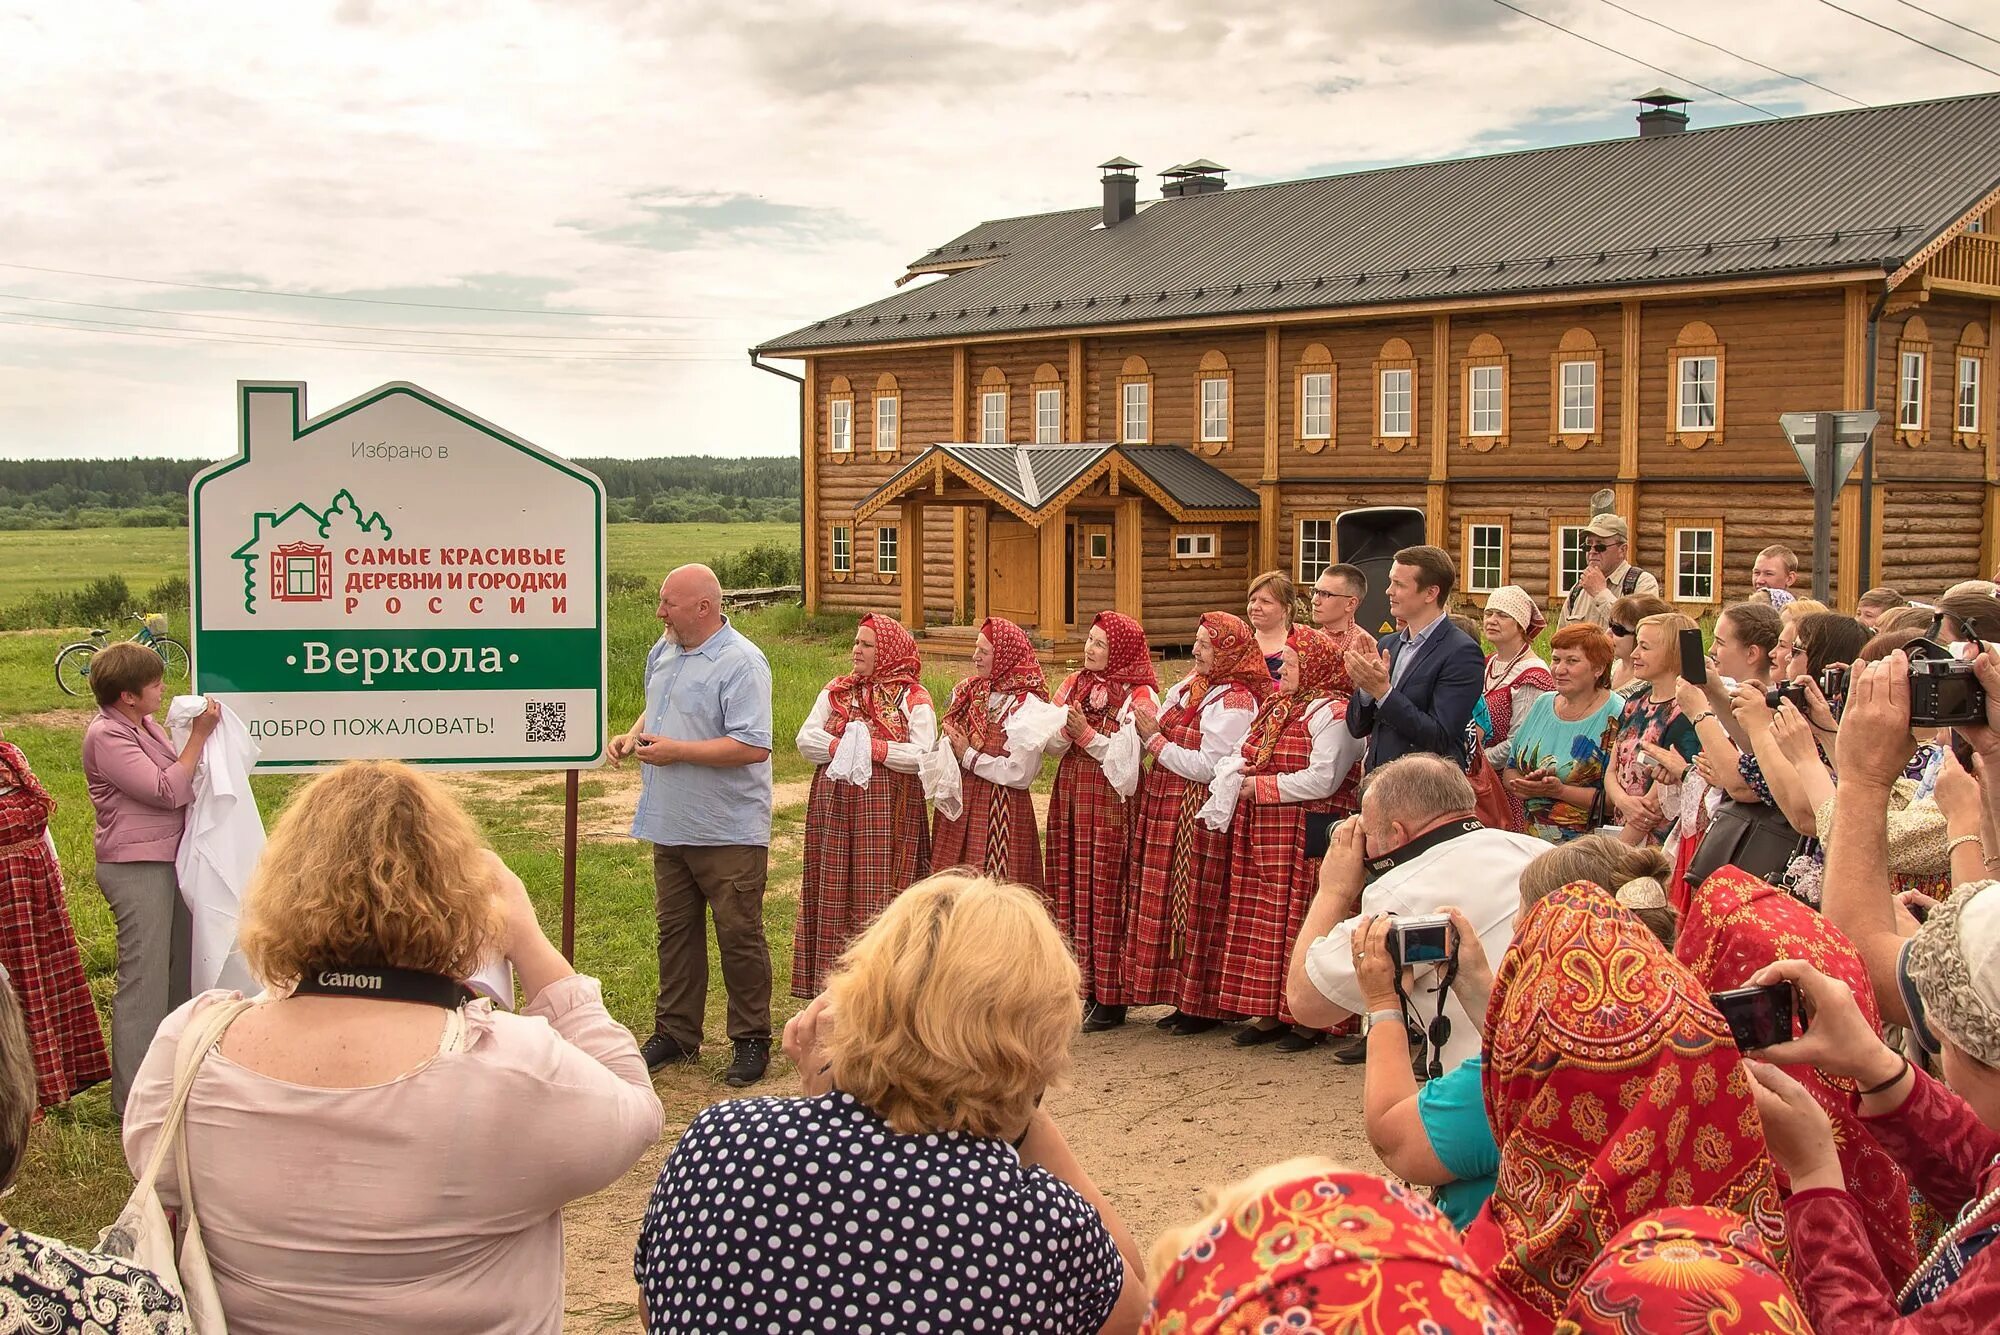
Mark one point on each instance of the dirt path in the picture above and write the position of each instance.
(1155, 1120)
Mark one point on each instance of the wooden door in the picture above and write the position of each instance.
(1014, 571)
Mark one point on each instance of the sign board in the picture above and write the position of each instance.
(1851, 431)
(398, 579)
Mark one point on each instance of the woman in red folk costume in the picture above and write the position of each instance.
(995, 833)
(864, 844)
(1174, 880)
(1088, 820)
(1298, 758)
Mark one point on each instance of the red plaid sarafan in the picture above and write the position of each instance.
(996, 835)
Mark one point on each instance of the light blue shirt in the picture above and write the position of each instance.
(1413, 641)
(722, 689)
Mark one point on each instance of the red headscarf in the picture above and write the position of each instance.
(1238, 660)
(1737, 924)
(1322, 672)
(1100, 695)
(1016, 671)
(1335, 1252)
(876, 699)
(1686, 1272)
(1614, 1089)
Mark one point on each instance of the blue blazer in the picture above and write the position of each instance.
(1430, 707)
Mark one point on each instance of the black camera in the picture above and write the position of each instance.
(1944, 690)
(1759, 1016)
(1833, 687)
(1427, 938)
(1786, 690)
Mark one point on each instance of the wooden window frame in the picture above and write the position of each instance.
(1578, 348)
(1092, 533)
(986, 397)
(1557, 523)
(1396, 355)
(1696, 339)
(840, 390)
(1912, 433)
(1971, 348)
(1487, 354)
(888, 576)
(1300, 518)
(1214, 366)
(1212, 561)
(1671, 587)
(834, 570)
(1484, 519)
(1039, 390)
(887, 391)
(1134, 372)
(1314, 360)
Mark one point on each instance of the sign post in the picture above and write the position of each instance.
(399, 579)
(1827, 444)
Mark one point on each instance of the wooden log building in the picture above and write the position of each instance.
(1141, 404)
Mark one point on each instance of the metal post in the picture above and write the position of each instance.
(1824, 486)
(569, 867)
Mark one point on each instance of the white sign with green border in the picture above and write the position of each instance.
(399, 579)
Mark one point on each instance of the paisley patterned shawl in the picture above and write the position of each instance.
(1016, 672)
(1322, 673)
(1238, 661)
(1344, 1252)
(1613, 1089)
(877, 700)
(1737, 924)
(1686, 1272)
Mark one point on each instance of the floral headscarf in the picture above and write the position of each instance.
(1322, 673)
(1734, 926)
(1238, 660)
(1016, 671)
(876, 699)
(1343, 1251)
(1100, 695)
(1614, 1089)
(1685, 1272)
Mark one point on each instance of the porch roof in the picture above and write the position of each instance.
(1035, 482)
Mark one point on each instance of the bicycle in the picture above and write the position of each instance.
(73, 660)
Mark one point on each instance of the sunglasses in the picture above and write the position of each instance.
(1596, 548)
(1619, 631)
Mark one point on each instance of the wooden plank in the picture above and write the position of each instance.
(1442, 374)
(809, 444)
(1128, 560)
(1628, 391)
(982, 561)
(1053, 538)
(1077, 390)
(910, 547)
(961, 562)
(1267, 528)
(959, 393)
(1437, 515)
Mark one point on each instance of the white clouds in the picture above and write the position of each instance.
(754, 165)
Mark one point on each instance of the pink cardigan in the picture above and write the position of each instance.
(139, 788)
(428, 1204)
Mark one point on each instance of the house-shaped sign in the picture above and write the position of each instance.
(399, 579)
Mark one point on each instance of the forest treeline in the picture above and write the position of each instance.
(148, 493)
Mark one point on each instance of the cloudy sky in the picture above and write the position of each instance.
(699, 176)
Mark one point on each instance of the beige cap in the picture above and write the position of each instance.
(1610, 526)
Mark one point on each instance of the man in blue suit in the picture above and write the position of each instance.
(1416, 690)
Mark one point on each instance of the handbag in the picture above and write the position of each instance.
(141, 1233)
(1752, 836)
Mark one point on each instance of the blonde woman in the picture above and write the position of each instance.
(369, 1148)
(922, 1180)
(1654, 746)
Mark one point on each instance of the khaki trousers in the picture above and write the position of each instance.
(690, 882)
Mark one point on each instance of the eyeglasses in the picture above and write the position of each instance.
(1618, 631)
(1597, 548)
(1330, 593)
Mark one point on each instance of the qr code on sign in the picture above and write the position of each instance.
(548, 721)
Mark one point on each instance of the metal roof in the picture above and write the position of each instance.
(1865, 188)
(1032, 476)
(1193, 482)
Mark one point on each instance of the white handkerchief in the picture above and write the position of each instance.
(1034, 724)
(1121, 762)
(853, 759)
(943, 786)
(1223, 790)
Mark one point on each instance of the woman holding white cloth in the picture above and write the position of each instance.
(867, 835)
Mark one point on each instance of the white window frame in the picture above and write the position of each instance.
(1680, 576)
(888, 423)
(1194, 546)
(1405, 379)
(1570, 541)
(888, 549)
(1486, 400)
(1584, 420)
(841, 549)
(993, 417)
(1474, 530)
(1094, 538)
(1135, 417)
(1911, 369)
(1316, 405)
(1310, 572)
(1048, 416)
(840, 427)
(1214, 409)
(1688, 412)
(1971, 374)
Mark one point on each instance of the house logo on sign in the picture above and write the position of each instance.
(289, 558)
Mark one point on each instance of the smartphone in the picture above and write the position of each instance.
(1426, 938)
(1694, 658)
(1759, 1017)
(1319, 832)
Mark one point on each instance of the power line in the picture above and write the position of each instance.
(370, 328)
(370, 301)
(1898, 32)
(1738, 55)
(63, 324)
(1626, 55)
(1951, 22)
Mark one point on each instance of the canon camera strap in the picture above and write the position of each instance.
(1422, 844)
(344, 980)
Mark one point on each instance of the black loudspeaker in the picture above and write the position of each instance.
(1370, 539)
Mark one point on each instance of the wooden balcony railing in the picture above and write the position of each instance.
(1972, 258)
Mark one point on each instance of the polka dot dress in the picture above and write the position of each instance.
(795, 1214)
